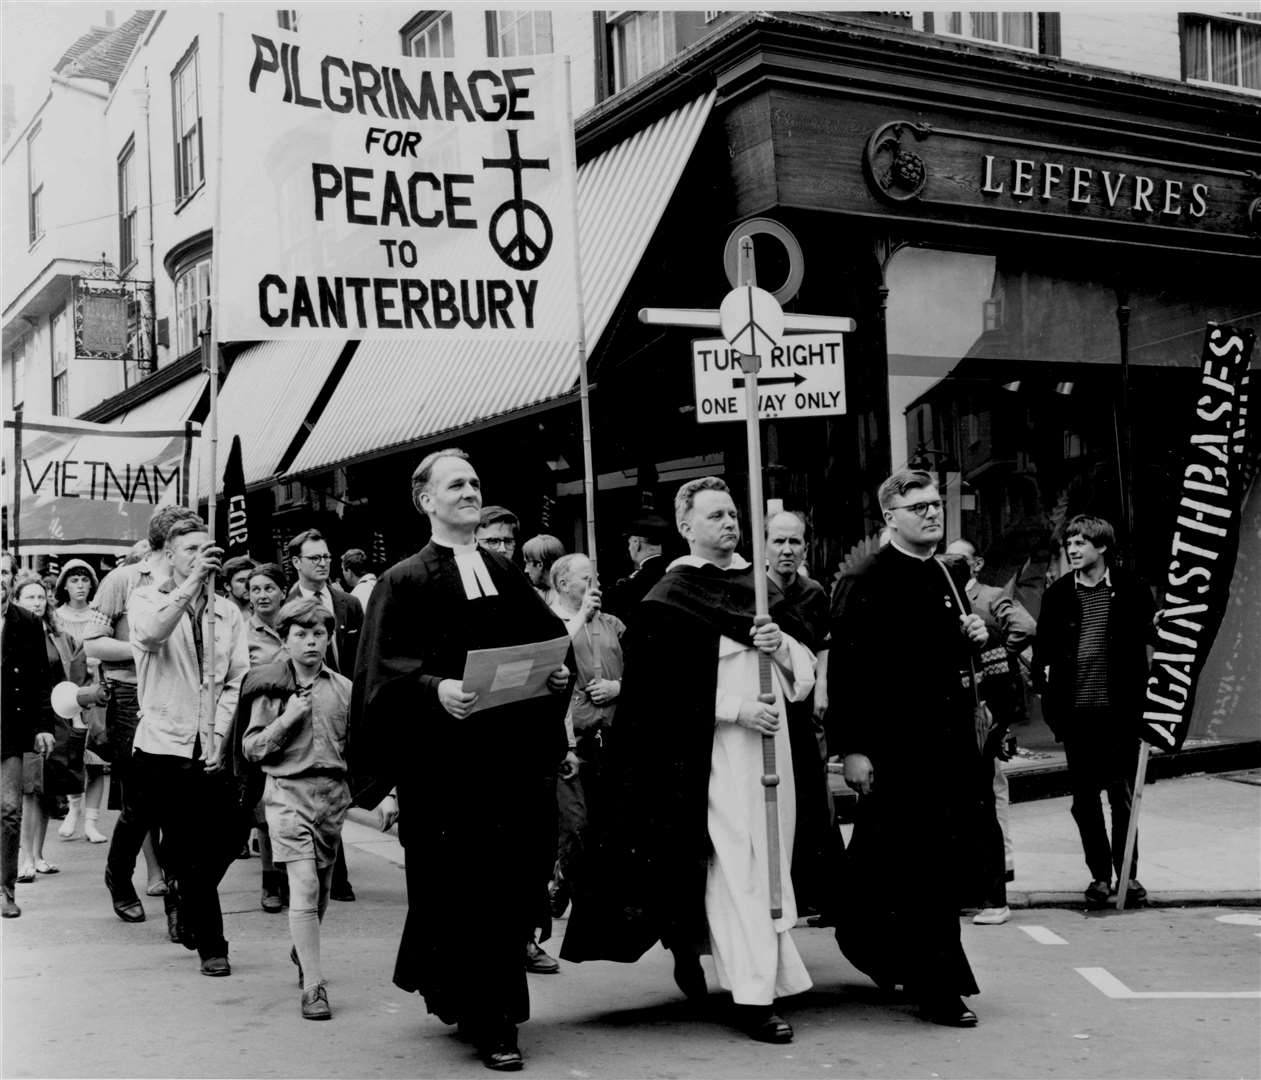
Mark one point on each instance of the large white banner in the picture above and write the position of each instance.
(378, 195)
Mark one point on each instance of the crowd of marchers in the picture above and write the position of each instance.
(630, 790)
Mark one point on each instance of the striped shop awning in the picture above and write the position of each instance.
(396, 394)
(265, 398)
(169, 409)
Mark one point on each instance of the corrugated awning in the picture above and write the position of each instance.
(264, 399)
(168, 409)
(395, 394)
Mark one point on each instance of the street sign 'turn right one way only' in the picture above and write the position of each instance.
(801, 375)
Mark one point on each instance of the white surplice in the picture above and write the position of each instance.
(755, 957)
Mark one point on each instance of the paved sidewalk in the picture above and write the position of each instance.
(1199, 843)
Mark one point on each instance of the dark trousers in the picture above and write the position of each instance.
(133, 824)
(1102, 760)
(579, 802)
(201, 835)
(11, 808)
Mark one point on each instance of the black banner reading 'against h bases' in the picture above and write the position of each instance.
(1196, 588)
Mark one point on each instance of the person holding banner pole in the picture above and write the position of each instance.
(179, 745)
(1090, 665)
(686, 855)
(107, 638)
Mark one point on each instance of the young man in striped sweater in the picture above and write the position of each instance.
(1090, 664)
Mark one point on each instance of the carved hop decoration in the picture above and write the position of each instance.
(907, 170)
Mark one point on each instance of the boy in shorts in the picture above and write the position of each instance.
(298, 710)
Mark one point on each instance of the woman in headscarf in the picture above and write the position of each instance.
(76, 585)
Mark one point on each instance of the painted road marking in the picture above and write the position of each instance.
(1104, 981)
(1241, 918)
(1043, 936)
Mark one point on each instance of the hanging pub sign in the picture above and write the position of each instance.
(83, 487)
(377, 195)
(1196, 589)
(112, 317)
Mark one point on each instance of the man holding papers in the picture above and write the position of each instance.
(475, 808)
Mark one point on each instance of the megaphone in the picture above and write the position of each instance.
(65, 699)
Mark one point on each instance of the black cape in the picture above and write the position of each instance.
(896, 694)
(477, 797)
(647, 880)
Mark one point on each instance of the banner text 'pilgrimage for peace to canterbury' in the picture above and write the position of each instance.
(392, 196)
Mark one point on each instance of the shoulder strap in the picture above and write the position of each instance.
(954, 589)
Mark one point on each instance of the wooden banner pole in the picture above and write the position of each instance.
(1131, 834)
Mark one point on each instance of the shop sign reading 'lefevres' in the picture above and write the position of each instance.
(1100, 193)
(376, 196)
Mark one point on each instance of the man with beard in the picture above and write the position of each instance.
(901, 714)
(475, 808)
(687, 858)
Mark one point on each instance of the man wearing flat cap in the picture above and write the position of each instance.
(644, 537)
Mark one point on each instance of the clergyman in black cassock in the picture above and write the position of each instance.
(898, 700)
(476, 790)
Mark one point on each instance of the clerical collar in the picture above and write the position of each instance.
(738, 562)
(922, 558)
(459, 549)
(472, 567)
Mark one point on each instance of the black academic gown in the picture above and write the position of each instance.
(896, 695)
(477, 797)
(649, 865)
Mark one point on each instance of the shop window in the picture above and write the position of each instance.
(287, 19)
(186, 116)
(429, 34)
(127, 206)
(17, 371)
(192, 300)
(639, 42)
(1027, 30)
(34, 187)
(519, 32)
(1035, 400)
(61, 347)
(1222, 50)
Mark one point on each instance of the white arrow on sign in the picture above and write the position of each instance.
(802, 375)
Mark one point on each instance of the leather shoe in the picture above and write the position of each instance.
(951, 1012)
(127, 908)
(345, 893)
(689, 976)
(315, 1004)
(8, 908)
(1097, 893)
(177, 927)
(762, 1023)
(537, 962)
(503, 1057)
(217, 966)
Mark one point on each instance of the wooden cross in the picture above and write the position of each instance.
(751, 319)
